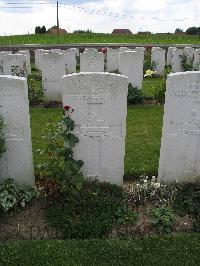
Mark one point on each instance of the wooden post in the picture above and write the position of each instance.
(58, 28)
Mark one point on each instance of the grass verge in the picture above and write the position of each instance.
(183, 249)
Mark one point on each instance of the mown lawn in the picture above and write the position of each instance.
(169, 250)
(144, 125)
(100, 38)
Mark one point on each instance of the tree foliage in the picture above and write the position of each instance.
(40, 30)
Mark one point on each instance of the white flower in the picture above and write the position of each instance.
(156, 185)
(149, 73)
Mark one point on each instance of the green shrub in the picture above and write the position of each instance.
(196, 225)
(187, 200)
(14, 196)
(163, 219)
(147, 62)
(90, 213)
(134, 95)
(60, 165)
(35, 92)
(186, 63)
(2, 137)
(126, 216)
(160, 94)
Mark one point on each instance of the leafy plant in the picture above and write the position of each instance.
(61, 165)
(91, 213)
(147, 62)
(126, 216)
(160, 94)
(35, 92)
(2, 137)
(14, 196)
(186, 62)
(196, 225)
(187, 200)
(134, 95)
(163, 219)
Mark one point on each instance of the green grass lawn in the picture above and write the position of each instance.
(169, 250)
(100, 38)
(144, 124)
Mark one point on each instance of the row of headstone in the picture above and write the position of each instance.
(17, 64)
(100, 109)
(55, 64)
(175, 57)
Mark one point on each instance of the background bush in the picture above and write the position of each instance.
(134, 95)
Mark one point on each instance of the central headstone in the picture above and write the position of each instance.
(99, 101)
(180, 147)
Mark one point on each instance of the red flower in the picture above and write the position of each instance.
(66, 107)
(104, 50)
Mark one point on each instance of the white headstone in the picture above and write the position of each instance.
(5, 52)
(196, 62)
(176, 60)
(169, 56)
(140, 49)
(37, 55)
(180, 145)
(17, 161)
(53, 68)
(38, 58)
(55, 50)
(112, 59)
(28, 59)
(99, 101)
(90, 50)
(70, 61)
(92, 61)
(131, 65)
(2, 54)
(124, 49)
(15, 65)
(75, 50)
(158, 60)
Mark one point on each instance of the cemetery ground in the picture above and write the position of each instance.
(130, 227)
(99, 38)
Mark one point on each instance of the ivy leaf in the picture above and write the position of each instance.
(78, 181)
(69, 123)
(71, 139)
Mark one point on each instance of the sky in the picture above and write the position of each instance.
(22, 16)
